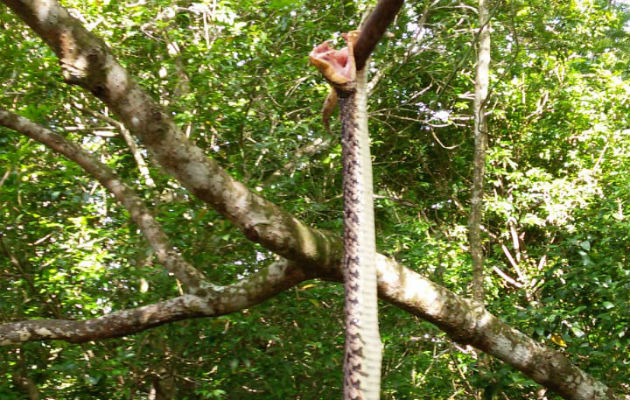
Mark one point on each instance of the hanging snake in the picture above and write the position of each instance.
(362, 357)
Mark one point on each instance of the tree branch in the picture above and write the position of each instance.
(126, 196)
(374, 28)
(88, 62)
(216, 301)
(133, 147)
(112, 325)
(467, 321)
(479, 157)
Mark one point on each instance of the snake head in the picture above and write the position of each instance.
(337, 66)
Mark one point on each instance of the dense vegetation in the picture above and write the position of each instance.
(235, 78)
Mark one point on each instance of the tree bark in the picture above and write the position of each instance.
(479, 158)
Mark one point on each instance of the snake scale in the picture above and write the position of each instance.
(362, 356)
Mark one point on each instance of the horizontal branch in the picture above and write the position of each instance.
(116, 324)
(248, 292)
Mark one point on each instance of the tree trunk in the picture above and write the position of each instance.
(479, 161)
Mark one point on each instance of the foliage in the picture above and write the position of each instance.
(235, 75)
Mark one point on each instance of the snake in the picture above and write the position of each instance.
(362, 350)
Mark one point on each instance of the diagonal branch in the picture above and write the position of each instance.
(115, 324)
(374, 28)
(88, 62)
(133, 147)
(141, 215)
(468, 322)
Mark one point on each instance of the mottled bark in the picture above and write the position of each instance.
(86, 61)
(468, 322)
(219, 300)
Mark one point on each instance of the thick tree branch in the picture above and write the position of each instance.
(112, 325)
(141, 215)
(252, 290)
(88, 62)
(468, 322)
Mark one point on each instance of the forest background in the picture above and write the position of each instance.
(233, 76)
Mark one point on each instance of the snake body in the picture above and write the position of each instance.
(362, 357)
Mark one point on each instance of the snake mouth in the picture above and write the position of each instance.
(337, 66)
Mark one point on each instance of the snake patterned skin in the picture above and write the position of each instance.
(362, 358)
